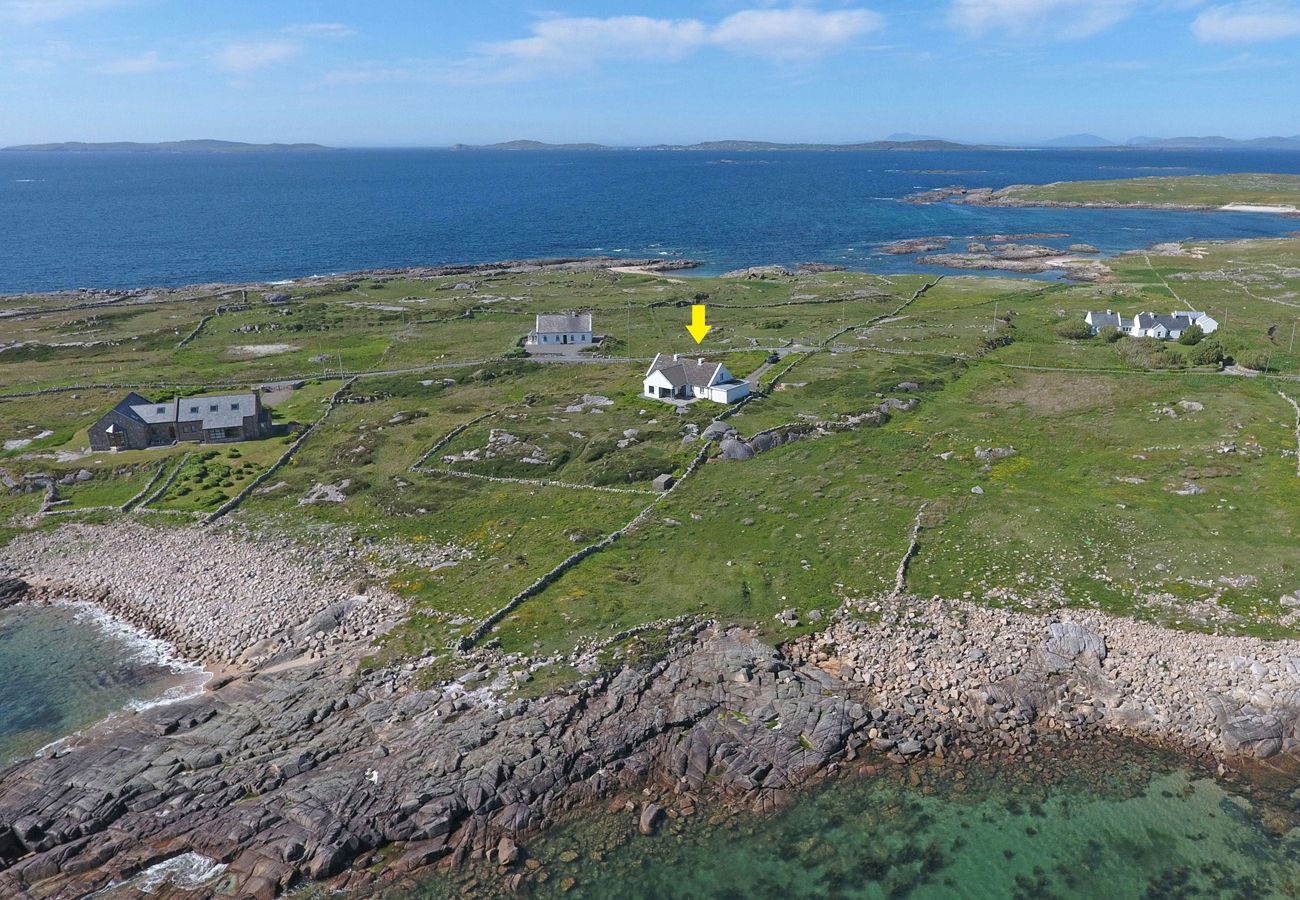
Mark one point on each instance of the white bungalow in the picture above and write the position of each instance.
(1153, 325)
(676, 378)
(552, 331)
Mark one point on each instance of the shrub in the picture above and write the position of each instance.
(1252, 359)
(1109, 333)
(1192, 336)
(1207, 353)
(1075, 330)
(1148, 353)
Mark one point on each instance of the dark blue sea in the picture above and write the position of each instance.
(137, 219)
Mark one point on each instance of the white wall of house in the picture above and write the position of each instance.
(728, 393)
(552, 338)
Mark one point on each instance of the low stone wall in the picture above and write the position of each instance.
(483, 628)
(538, 482)
(257, 482)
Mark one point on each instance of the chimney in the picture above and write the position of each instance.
(675, 357)
(700, 361)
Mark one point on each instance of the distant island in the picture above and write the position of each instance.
(734, 146)
(923, 142)
(201, 146)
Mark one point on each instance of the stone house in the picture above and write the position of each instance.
(136, 423)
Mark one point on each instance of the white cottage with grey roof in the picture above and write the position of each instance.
(1153, 325)
(679, 378)
(560, 330)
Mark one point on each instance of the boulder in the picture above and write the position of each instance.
(736, 450)
(649, 817)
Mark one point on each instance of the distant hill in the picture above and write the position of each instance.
(530, 145)
(202, 146)
(730, 146)
(908, 137)
(1214, 142)
(1078, 140)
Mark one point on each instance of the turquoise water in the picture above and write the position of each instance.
(65, 667)
(1128, 825)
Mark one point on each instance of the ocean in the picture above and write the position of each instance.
(1114, 820)
(68, 666)
(120, 220)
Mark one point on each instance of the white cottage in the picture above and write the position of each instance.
(553, 331)
(677, 378)
(1154, 325)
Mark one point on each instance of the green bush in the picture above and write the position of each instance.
(1252, 359)
(1148, 353)
(1192, 336)
(1109, 333)
(1207, 353)
(1074, 330)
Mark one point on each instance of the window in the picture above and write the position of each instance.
(234, 406)
(194, 409)
(162, 409)
(213, 408)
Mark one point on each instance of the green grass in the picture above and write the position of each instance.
(804, 526)
(1180, 190)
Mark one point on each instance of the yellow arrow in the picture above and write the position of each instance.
(697, 328)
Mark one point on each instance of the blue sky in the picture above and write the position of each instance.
(432, 73)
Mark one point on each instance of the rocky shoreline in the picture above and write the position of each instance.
(287, 773)
(90, 298)
(219, 598)
(1007, 197)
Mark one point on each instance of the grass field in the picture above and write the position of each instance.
(1144, 483)
(1177, 190)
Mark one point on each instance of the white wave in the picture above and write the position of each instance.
(144, 649)
(189, 871)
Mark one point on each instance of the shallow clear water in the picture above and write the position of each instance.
(64, 667)
(132, 219)
(1127, 826)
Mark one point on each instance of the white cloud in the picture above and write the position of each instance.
(144, 64)
(1247, 23)
(567, 44)
(245, 56)
(32, 12)
(1062, 19)
(798, 33)
(320, 30)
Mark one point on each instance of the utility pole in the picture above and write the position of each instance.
(1292, 347)
(995, 317)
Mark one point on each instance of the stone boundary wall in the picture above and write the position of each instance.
(257, 482)
(538, 482)
(481, 630)
(455, 433)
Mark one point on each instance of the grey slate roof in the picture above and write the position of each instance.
(229, 413)
(1176, 322)
(155, 413)
(1102, 319)
(683, 371)
(563, 324)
